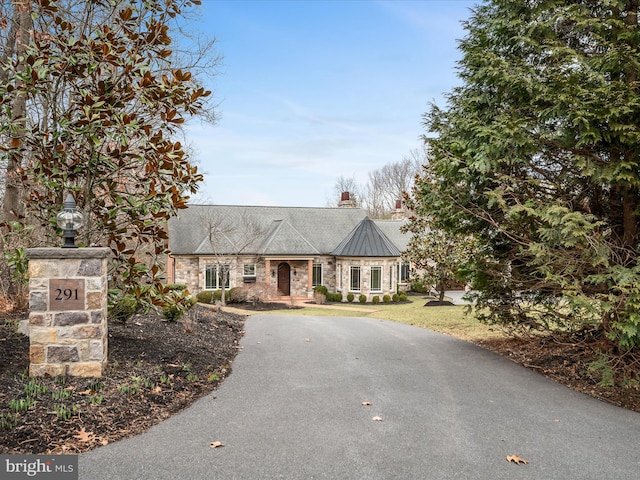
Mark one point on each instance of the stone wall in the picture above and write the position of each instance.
(68, 311)
(389, 276)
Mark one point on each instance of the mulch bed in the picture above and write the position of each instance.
(156, 368)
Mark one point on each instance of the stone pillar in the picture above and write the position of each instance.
(68, 311)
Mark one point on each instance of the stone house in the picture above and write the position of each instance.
(292, 249)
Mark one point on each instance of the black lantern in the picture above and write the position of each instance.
(69, 220)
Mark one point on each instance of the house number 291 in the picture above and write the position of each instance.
(66, 294)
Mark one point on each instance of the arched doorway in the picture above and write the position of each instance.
(284, 279)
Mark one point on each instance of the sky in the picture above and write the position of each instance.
(313, 90)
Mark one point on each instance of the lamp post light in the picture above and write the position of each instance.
(69, 220)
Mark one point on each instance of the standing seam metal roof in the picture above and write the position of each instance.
(366, 240)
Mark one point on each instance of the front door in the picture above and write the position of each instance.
(284, 279)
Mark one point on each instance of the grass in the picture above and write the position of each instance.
(453, 320)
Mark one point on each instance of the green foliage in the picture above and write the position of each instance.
(34, 389)
(321, 289)
(402, 296)
(61, 395)
(375, 299)
(8, 421)
(395, 298)
(350, 297)
(177, 302)
(334, 297)
(121, 309)
(419, 286)
(536, 158)
(205, 296)
(22, 404)
(65, 412)
(217, 295)
(362, 298)
(601, 371)
(386, 299)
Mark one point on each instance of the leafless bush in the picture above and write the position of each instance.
(189, 320)
(320, 298)
(259, 292)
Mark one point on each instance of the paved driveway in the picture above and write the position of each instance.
(292, 409)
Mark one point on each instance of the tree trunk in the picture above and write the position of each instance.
(11, 206)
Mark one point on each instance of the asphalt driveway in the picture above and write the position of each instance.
(292, 409)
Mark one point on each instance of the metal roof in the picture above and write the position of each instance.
(366, 240)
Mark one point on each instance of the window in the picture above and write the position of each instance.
(376, 279)
(249, 270)
(249, 273)
(403, 272)
(354, 279)
(213, 277)
(316, 276)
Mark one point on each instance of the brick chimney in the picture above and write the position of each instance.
(398, 213)
(345, 201)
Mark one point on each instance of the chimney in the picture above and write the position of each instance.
(398, 213)
(345, 201)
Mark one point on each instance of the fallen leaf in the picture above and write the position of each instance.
(516, 459)
(367, 404)
(377, 419)
(158, 389)
(71, 388)
(104, 441)
(86, 392)
(84, 436)
(217, 444)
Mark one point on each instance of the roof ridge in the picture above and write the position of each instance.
(277, 224)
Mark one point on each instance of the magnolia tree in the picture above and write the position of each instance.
(91, 103)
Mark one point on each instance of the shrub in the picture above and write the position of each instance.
(123, 308)
(350, 297)
(376, 299)
(419, 286)
(176, 286)
(386, 298)
(320, 298)
(403, 296)
(258, 292)
(237, 295)
(362, 298)
(205, 296)
(395, 298)
(177, 302)
(334, 297)
(217, 295)
(320, 289)
(172, 312)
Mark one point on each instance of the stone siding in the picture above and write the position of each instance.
(68, 335)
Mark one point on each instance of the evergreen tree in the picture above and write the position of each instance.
(537, 155)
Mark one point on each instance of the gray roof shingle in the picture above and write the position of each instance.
(282, 230)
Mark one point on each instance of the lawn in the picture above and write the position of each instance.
(455, 320)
